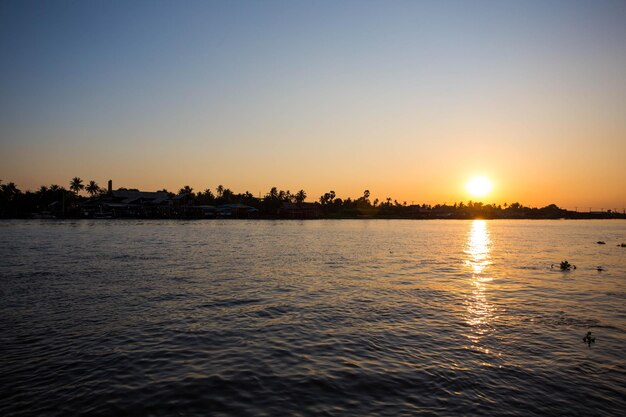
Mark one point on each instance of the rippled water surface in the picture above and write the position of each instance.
(272, 318)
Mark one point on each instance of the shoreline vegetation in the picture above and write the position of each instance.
(57, 202)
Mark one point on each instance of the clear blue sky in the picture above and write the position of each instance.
(408, 99)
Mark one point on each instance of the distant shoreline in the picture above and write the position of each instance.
(180, 219)
(56, 202)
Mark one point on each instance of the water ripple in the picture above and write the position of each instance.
(386, 318)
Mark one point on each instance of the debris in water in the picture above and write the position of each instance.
(564, 266)
(589, 339)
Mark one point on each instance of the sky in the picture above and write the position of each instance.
(408, 99)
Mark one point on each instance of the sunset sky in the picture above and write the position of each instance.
(407, 99)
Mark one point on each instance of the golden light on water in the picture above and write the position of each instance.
(479, 186)
(479, 309)
(478, 246)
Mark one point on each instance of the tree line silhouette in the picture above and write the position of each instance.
(15, 203)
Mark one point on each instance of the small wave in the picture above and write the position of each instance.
(231, 303)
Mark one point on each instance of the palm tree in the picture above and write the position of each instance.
(228, 195)
(185, 190)
(209, 194)
(76, 184)
(206, 197)
(92, 188)
(220, 190)
(10, 190)
(300, 196)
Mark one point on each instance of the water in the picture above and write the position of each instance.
(271, 318)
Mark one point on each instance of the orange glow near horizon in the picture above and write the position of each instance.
(407, 101)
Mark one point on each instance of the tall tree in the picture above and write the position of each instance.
(206, 197)
(9, 190)
(328, 198)
(228, 194)
(76, 184)
(92, 188)
(185, 190)
(300, 196)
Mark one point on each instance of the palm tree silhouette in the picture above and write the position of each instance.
(185, 190)
(300, 196)
(92, 188)
(10, 190)
(76, 184)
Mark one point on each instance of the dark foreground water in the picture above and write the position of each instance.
(221, 318)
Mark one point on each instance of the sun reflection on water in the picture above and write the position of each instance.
(478, 246)
(480, 312)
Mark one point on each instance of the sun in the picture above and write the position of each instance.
(479, 186)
